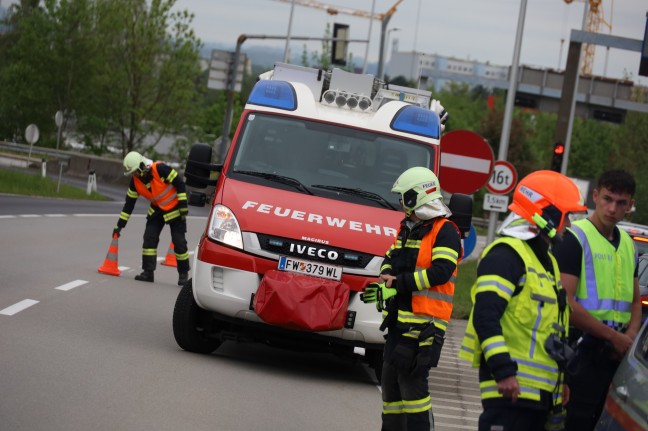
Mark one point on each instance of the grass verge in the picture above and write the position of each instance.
(466, 276)
(18, 183)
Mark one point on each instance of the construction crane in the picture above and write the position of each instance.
(334, 10)
(593, 23)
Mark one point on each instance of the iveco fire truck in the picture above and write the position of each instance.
(302, 212)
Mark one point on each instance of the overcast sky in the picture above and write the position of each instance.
(482, 30)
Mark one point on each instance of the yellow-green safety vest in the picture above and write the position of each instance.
(529, 319)
(606, 284)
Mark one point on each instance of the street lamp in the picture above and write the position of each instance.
(387, 48)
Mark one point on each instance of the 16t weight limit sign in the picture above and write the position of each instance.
(503, 178)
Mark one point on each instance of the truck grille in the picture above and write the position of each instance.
(298, 249)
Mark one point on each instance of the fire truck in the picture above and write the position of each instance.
(302, 212)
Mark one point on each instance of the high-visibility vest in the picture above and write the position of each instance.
(529, 319)
(162, 195)
(606, 285)
(430, 304)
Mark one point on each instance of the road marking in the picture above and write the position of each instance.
(29, 215)
(55, 215)
(7, 216)
(71, 285)
(18, 307)
(123, 268)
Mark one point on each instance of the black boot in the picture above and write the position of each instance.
(145, 276)
(183, 277)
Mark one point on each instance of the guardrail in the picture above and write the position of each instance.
(22, 148)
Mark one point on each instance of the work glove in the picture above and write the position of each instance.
(437, 107)
(117, 231)
(378, 293)
(403, 356)
(183, 212)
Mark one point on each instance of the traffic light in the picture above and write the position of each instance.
(557, 158)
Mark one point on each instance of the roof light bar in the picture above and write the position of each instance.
(274, 94)
(416, 120)
(343, 99)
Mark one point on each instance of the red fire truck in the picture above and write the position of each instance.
(302, 212)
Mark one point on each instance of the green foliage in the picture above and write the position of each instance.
(120, 70)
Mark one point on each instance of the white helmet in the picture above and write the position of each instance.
(134, 161)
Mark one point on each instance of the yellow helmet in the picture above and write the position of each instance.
(417, 186)
(134, 161)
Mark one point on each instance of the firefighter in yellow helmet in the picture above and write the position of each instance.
(417, 286)
(164, 188)
(517, 330)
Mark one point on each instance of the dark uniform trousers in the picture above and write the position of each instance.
(397, 386)
(154, 225)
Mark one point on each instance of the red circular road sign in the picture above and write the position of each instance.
(466, 162)
(503, 178)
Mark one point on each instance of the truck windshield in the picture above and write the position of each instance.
(329, 155)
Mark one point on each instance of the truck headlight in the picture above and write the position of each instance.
(224, 227)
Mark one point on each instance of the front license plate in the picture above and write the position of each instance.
(316, 269)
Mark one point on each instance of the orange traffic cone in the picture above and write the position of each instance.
(110, 263)
(170, 259)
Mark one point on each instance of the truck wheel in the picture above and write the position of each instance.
(200, 153)
(187, 324)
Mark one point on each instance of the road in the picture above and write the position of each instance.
(83, 350)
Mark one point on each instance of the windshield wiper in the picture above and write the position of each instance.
(358, 192)
(279, 179)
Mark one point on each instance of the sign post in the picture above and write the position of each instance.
(466, 162)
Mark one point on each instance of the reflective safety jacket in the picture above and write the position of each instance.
(530, 317)
(165, 189)
(424, 296)
(161, 194)
(606, 284)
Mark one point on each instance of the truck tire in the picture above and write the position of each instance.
(186, 324)
(200, 153)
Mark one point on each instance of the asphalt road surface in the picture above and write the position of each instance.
(80, 350)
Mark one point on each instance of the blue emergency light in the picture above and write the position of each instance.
(417, 120)
(274, 94)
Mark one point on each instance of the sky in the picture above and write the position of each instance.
(481, 30)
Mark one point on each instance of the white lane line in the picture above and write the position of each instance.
(29, 215)
(18, 307)
(7, 216)
(123, 268)
(71, 285)
(55, 215)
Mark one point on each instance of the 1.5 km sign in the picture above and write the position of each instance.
(503, 178)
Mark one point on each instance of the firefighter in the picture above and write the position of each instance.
(160, 184)
(517, 330)
(417, 286)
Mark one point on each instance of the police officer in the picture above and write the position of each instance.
(163, 187)
(517, 329)
(598, 265)
(417, 283)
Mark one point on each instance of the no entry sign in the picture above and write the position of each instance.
(466, 162)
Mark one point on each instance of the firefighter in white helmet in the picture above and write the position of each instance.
(415, 294)
(164, 188)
